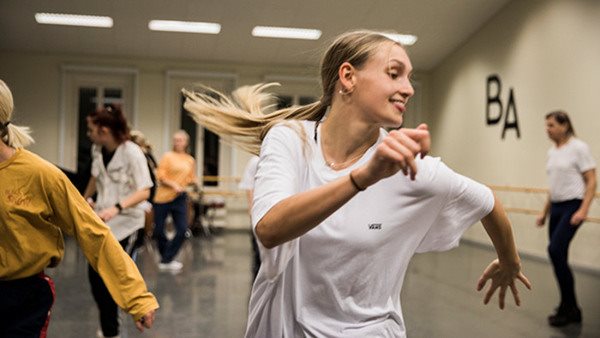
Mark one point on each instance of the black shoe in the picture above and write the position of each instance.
(565, 317)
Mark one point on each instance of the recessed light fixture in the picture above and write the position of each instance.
(184, 26)
(286, 33)
(404, 39)
(74, 20)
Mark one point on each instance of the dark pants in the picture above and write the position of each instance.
(108, 309)
(561, 234)
(25, 306)
(178, 209)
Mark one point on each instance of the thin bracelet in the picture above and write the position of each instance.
(358, 187)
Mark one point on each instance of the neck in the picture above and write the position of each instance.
(562, 140)
(111, 145)
(6, 152)
(345, 139)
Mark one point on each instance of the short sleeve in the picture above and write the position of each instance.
(277, 178)
(585, 160)
(467, 202)
(139, 168)
(279, 170)
(247, 182)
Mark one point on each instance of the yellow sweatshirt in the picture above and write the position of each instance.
(37, 204)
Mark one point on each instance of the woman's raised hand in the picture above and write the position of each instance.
(398, 152)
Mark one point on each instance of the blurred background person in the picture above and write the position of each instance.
(572, 178)
(176, 170)
(121, 181)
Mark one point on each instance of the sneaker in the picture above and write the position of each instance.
(99, 334)
(171, 266)
(565, 317)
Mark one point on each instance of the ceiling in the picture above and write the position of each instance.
(441, 26)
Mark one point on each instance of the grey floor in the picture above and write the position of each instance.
(209, 297)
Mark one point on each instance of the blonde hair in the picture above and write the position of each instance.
(12, 135)
(240, 119)
(140, 139)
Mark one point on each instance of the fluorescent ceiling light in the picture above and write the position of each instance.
(184, 26)
(404, 39)
(74, 20)
(286, 33)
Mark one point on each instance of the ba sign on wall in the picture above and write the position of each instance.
(495, 112)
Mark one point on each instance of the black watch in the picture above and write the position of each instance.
(119, 206)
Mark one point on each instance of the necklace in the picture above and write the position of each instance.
(342, 165)
(331, 164)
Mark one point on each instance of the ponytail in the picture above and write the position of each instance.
(241, 119)
(12, 135)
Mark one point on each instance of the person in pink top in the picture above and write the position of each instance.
(175, 171)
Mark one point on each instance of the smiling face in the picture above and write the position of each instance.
(382, 87)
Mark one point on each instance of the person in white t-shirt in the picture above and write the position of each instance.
(341, 205)
(121, 181)
(247, 184)
(572, 176)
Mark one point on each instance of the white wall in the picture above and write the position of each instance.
(548, 52)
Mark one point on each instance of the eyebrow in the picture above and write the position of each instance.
(402, 65)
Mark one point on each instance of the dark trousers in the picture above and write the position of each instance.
(25, 306)
(561, 234)
(108, 309)
(178, 209)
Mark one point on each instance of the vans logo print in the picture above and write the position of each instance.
(375, 226)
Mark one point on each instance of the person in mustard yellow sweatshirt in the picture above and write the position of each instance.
(175, 171)
(37, 205)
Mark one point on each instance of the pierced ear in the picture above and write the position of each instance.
(346, 75)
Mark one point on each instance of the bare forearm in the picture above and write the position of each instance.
(498, 227)
(90, 189)
(296, 215)
(135, 198)
(546, 207)
(590, 191)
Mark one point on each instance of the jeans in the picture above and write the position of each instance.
(178, 209)
(561, 233)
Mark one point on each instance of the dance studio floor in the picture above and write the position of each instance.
(209, 297)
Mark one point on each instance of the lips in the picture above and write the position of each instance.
(399, 105)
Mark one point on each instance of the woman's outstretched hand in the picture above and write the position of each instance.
(502, 277)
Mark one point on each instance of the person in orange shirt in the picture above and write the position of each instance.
(175, 171)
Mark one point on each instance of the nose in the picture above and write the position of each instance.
(407, 90)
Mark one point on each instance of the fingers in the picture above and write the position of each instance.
(501, 296)
(145, 322)
(489, 293)
(139, 326)
(406, 150)
(515, 293)
(524, 280)
(421, 136)
(481, 282)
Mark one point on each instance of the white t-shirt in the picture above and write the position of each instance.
(343, 278)
(127, 172)
(247, 182)
(565, 168)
